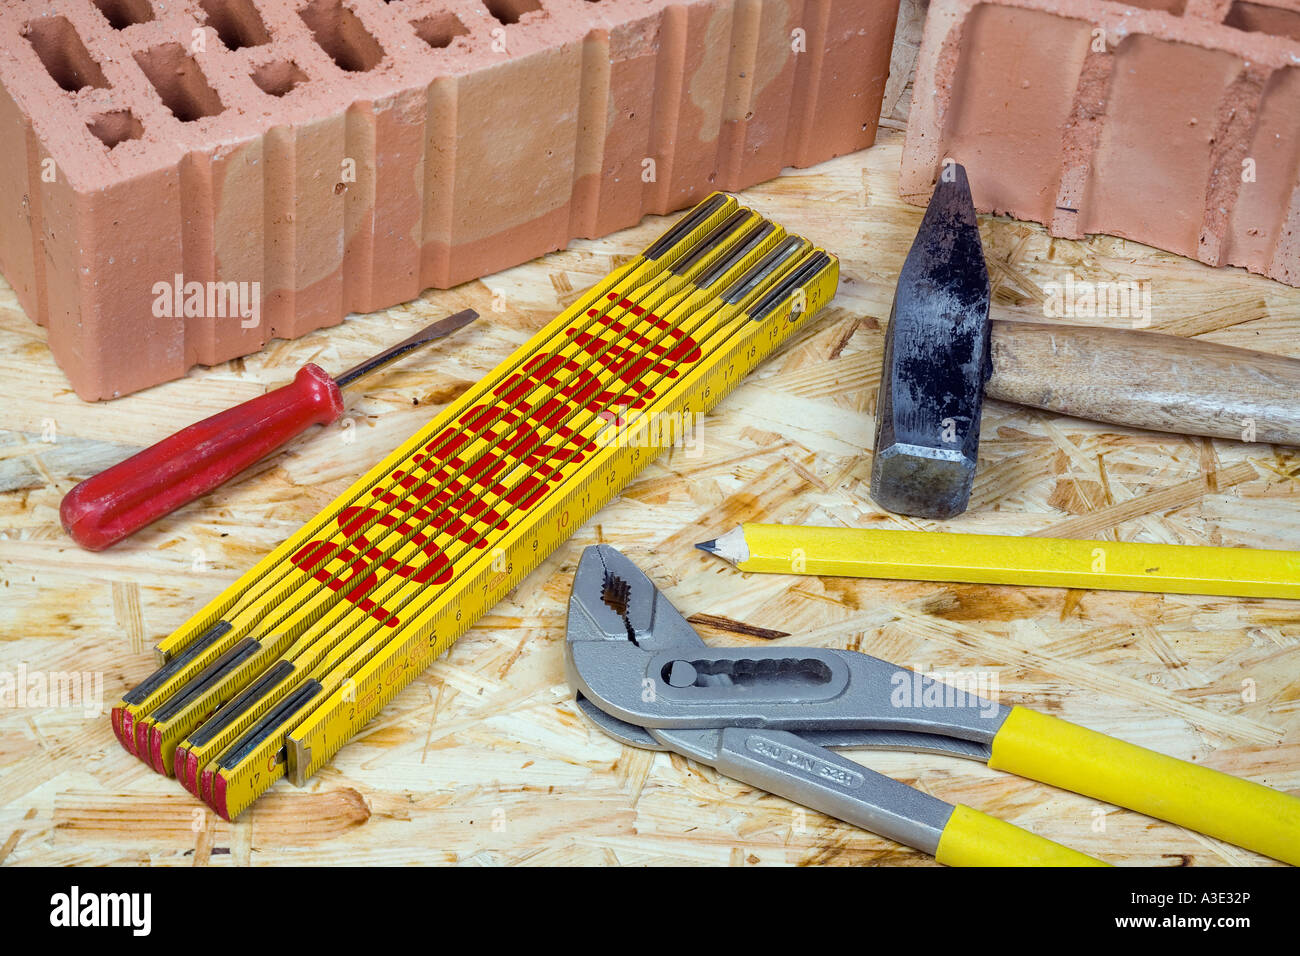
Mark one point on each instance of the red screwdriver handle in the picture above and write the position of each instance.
(107, 507)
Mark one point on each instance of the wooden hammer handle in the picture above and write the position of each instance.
(1147, 380)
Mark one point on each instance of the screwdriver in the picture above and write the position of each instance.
(120, 500)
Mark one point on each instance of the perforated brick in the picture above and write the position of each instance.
(1171, 122)
(347, 154)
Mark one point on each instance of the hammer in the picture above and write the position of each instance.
(943, 355)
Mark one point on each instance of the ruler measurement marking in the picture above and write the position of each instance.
(611, 374)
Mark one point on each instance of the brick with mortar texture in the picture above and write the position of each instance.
(1097, 117)
(484, 133)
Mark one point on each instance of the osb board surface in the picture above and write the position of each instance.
(484, 759)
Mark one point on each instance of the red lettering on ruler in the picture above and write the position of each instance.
(453, 504)
(314, 557)
(448, 495)
(517, 442)
(434, 568)
(630, 356)
(685, 348)
(580, 388)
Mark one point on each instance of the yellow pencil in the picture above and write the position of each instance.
(1002, 559)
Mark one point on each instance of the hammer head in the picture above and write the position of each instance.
(936, 363)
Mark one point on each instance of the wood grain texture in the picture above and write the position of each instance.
(484, 760)
(1147, 380)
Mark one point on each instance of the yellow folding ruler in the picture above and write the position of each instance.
(272, 677)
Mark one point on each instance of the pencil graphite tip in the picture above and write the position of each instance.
(730, 547)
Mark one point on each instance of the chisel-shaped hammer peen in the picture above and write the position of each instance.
(943, 355)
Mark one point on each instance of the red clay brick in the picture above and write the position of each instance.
(1139, 121)
(483, 132)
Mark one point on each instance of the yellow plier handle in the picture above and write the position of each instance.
(1055, 751)
(972, 838)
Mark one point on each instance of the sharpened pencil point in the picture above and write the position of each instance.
(730, 547)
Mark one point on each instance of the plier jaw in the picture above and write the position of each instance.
(616, 618)
(613, 602)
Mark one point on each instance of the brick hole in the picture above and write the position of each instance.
(1257, 18)
(510, 11)
(237, 22)
(121, 14)
(439, 29)
(1168, 6)
(115, 126)
(64, 56)
(179, 82)
(278, 77)
(341, 34)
